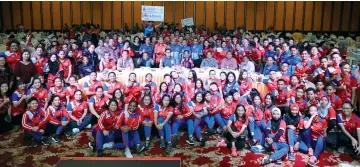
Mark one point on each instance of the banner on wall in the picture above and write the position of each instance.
(152, 13)
(187, 21)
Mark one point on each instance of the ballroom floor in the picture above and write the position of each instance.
(14, 152)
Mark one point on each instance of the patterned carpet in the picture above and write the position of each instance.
(14, 152)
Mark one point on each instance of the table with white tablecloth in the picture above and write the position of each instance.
(158, 75)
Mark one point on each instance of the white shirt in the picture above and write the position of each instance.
(248, 67)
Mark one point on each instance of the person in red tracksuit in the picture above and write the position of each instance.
(71, 88)
(128, 122)
(59, 90)
(146, 109)
(181, 118)
(97, 104)
(38, 92)
(34, 121)
(89, 86)
(163, 90)
(103, 132)
(78, 112)
(65, 65)
(162, 115)
(18, 103)
(237, 131)
(133, 89)
(111, 85)
(119, 97)
(59, 118)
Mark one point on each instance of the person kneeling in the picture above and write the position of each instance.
(34, 122)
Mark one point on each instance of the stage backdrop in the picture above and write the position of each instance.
(289, 16)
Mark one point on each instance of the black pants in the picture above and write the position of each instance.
(197, 63)
(16, 120)
(239, 141)
(4, 125)
(94, 120)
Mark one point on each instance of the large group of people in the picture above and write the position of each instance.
(311, 100)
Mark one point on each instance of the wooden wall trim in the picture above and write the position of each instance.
(51, 16)
(303, 17)
(294, 15)
(174, 11)
(350, 15)
(21, 13)
(332, 15)
(341, 15)
(1, 17)
(71, 13)
(322, 15)
(245, 7)
(255, 9)
(92, 12)
(205, 14)
(284, 17)
(265, 11)
(235, 11)
(11, 15)
(41, 16)
(346, 9)
(274, 21)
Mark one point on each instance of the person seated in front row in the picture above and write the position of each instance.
(275, 138)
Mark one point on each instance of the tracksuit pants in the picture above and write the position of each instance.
(100, 138)
(293, 138)
(220, 120)
(318, 144)
(280, 149)
(85, 122)
(258, 128)
(147, 129)
(210, 121)
(181, 122)
(166, 130)
(130, 139)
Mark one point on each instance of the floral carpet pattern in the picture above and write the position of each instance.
(14, 152)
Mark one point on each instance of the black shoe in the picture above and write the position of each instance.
(210, 132)
(175, 140)
(45, 141)
(169, 148)
(56, 138)
(147, 145)
(252, 142)
(162, 143)
(265, 161)
(140, 148)
(92, 146)
(100, 153)
(190, 140)
(34, 142)
(203, 141)
(68, 133)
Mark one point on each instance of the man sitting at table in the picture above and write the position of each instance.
(209, 61)
(145, 61)
(229, 62)
(125, 62)
(167, 60)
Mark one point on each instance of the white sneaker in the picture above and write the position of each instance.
(108, 145)
(128, 153)
(88, 126)
(75, 130)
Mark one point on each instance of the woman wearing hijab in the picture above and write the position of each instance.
(276, 138)
(294, 125)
